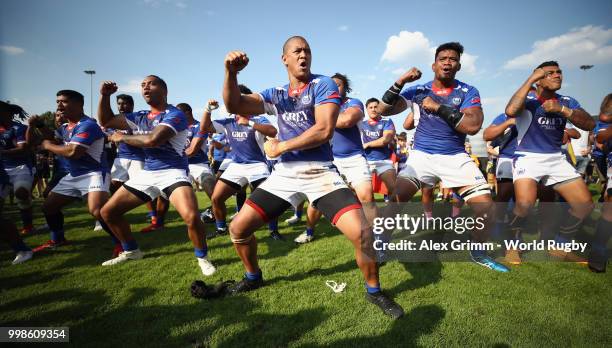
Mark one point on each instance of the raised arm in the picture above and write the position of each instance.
(517, 102)
(392, 103)
(105, 114)
(321, 132)
(206, 121)
(235, 102)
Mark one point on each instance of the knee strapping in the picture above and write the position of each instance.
(237, 240)
(478, 190)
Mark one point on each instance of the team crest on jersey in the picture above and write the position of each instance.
(155, 123)
(456, 100)
(306, 99)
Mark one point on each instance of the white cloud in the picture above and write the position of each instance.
(12, 50)
(493, 106)
(157, 3)
(586, 45)
(417, 50)
(343, 28)
(132, 86)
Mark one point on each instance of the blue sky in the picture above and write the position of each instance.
(45, 45)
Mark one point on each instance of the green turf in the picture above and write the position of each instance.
(147, 303)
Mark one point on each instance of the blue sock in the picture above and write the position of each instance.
(19, 246)
(372, 289)
(110, 233)
(253, 276)
(273, 226)
(129, 245)
(160, 221)
(200, 253)
(298, 213)
(221, 225)
(58, 236)
(151, 214)
(309, 231)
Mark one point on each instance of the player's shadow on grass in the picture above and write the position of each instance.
(233, 321)
(27, 279)
(340, 268)
(404, 332)
(423, 274)
(34, 310)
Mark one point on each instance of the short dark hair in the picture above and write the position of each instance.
(454, 46)
(184, 107)
(548, 63)
(291, 39)
(401, 136)
(126, 97)
(372, 100)
(72, 95)
(606, 105)
(244, 89)
(161, 81)
(13, 109)
(345, 80)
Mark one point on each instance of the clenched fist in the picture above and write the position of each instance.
(108, 87)
(411, 75)
(236, 61)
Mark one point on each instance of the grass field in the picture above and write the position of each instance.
(147, 303)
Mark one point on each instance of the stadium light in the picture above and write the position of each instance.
(91, 74)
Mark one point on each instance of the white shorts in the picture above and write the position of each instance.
(79, 186)
(296, 181)
(452, 170)
(355, 169)
(381, 166)
(225, 163)
(125, 168)
(504, 168)
(199, 171)
(153, 182)
(21, 177)
(245, 173)
(548, 168)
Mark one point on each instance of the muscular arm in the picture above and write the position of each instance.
(196, 143)
(71, 151)
(572, 133)
(265, 129)
(206, 122)
(409, 121)
(579, 118)
(383, 141)
(159, 136)
(517, 102)
(386, 109)
(604, 135)
(107, 117)
(472, 121)
(237, 103)
(321, 132)
(349, 118)
(494, 131)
